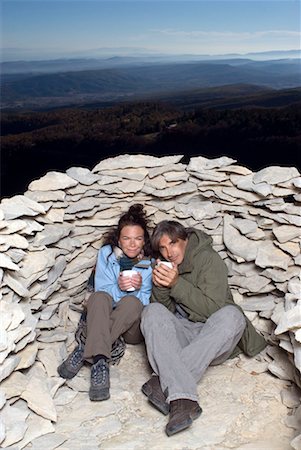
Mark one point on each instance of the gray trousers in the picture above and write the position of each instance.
(179, 351)
(105, 324)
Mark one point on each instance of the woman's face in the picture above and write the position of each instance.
(131, 240)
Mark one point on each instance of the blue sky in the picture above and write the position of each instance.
(42, 29)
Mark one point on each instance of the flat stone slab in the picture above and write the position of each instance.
(241, 408)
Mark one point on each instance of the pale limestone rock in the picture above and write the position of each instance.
(238, 245)
(12, 226)
(52, 181)
(51, 440)
(19, 205)
(51, 234)
(246, 184)
(275, 174)
(2, 399)
(290, 320)
(38, 261)
(37, 394)
(27, 355)
(201, 163)
(46, 196)
(175, 191)
(240, 170)
(198, 210)
(258, 303)
(32, 226)
(82, 261)
(251, 284)
(14, 283)
(82, 175)
(86, 204)
(8, 366)
(249, 197)
(54, 215)
(51, 336)
(286, 233)
(14, 419)
(280, 275)
(176, 176)
(49, 360)
(37, 426)
(54, 273)
(124, 187)
(268, 255)
(289, 247)
(6, 263)
(154, 172)
(245, 226)
(16, 254)
(138, 174)
(291, 397)
(158, 182)
(135, 161)
(14, 385)
(208, 176)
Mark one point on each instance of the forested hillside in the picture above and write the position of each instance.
(34, 143)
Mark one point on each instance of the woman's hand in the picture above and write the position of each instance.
(163, 276)
(126, 282)
(136, 280)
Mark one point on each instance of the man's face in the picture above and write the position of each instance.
(172, 250)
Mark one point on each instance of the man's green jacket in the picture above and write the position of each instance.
(202, 288)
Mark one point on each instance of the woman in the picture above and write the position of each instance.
(115, 308)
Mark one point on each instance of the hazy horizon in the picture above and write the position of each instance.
(42, 29)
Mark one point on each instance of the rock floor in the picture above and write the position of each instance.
(241, 410)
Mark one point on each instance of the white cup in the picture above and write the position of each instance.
(129, 273)
(166, 263)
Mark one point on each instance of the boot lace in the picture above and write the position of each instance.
(76, 357)
(99, 373)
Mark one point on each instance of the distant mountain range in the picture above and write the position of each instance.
(128, 78)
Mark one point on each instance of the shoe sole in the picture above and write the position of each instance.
(65, 373)
(99, 396)
(185, 424)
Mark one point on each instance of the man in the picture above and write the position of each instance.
(192, 322)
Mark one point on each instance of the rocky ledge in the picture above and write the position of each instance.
(49, 239)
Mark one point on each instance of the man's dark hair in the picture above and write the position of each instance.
(173, 229)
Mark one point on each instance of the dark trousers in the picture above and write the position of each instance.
(105, 324)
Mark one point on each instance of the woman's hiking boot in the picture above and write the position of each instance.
(118, 350)
(71, 366)
(100, 381)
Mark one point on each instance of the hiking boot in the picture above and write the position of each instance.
(117, 352)
(75, 361)
(182, 414)
(100, 381)
(152, 389)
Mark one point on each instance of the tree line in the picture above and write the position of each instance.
(34, 143)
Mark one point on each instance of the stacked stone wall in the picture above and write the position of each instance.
(49, 238)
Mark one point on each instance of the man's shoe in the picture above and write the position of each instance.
(100, 381)
(75, 361)
(152, 389)
(182, 414)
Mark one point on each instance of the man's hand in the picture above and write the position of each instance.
(163, 276)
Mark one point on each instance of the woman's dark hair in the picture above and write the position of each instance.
(173, 229)
(134, 216)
